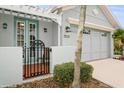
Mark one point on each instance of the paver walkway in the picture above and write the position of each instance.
(109, 71)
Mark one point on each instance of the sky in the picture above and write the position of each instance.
(117, 11)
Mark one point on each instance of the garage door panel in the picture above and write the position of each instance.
(95, 45)
(104, 45)
(104, 55)
(86, 43)
(95, 56)
(86, 57)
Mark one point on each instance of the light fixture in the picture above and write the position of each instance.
(67, 28)
(5, 25)
(45, 29)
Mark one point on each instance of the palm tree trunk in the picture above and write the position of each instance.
(123, 50)
(76, 81)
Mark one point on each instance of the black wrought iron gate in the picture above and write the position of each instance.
(36, 60)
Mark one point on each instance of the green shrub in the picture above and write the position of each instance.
(86, 72)
(64, 73)
(118, 51)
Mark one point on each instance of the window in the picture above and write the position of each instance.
(86, 31)
(74, 29)
(20, 33)
(104, 34)
(32, 29)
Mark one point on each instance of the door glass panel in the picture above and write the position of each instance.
(32, 29)
(25, 33)
(20, 33)
(32, 37)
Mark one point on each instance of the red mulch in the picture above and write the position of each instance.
(119, 58)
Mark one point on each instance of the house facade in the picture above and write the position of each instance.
(23, 28)
(97, 38)
(21, 25)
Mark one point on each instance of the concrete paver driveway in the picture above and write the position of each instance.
(109, 71)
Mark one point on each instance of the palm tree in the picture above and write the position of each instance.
(76, 81)
(119, 39)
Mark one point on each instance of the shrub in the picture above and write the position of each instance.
(64, 73)
(118, 51)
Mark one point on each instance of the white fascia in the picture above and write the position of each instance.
(90, 25)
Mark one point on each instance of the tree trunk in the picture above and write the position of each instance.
(123, 50)
(76, 81)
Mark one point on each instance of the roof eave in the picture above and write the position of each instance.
(112, 19)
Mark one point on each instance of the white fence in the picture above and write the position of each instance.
(61, 54)
(10, 65)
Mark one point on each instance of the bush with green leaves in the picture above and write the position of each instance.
(64, 73)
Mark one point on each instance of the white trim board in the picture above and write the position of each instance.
(89, 25)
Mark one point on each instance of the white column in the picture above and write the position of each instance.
(59, 21)
(59, 35)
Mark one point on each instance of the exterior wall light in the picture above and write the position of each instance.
(67, 28)
(45, 29)
(5, 25)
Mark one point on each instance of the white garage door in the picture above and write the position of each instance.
(95, 45)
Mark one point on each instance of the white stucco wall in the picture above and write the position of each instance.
(6, 35)
(46, 37)
(54, 34)
(11, 64)
(50, 37)
(61, 54)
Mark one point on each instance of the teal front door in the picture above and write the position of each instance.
(26, 31)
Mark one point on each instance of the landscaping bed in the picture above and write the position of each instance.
(50, 83)
(119, 57)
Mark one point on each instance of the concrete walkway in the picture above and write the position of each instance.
(109, 71)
